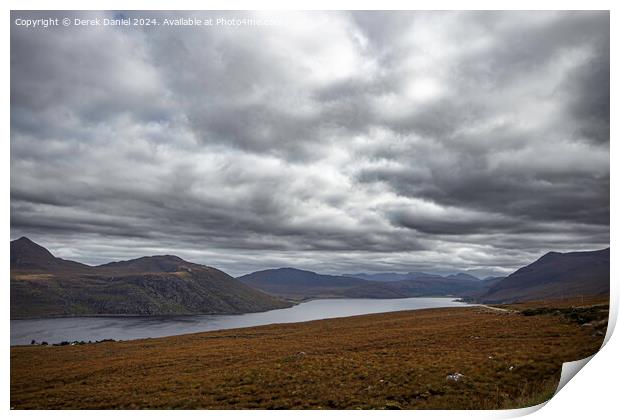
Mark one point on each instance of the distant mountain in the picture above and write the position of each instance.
(439, 286)
(414, 275)
(554, 275)
(43, 285)
(418, 274)
(378, 276)
(391, 276)
(492, 278)
(294, 283)
(463, 276)
(299, 284)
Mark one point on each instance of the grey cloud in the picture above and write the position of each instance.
(335, 141)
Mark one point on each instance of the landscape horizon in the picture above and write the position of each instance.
(33, 267)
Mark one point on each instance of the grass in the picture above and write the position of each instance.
(397, 360)
(33, 276)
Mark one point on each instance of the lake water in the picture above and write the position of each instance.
(55, 330)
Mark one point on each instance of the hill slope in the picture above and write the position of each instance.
(43, 285)
(294, 283)
(390, 276)
(439, 286)
(555, 275)
(297, 284)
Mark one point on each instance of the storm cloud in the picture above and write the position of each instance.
(332, 141)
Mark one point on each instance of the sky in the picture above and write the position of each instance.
(338, 142)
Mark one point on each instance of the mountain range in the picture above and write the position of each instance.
(414, 275)
(44, 285)
(299, 284)
(554, 276)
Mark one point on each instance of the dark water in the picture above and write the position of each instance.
(55, 330)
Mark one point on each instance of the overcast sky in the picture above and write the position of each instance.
(336, 142)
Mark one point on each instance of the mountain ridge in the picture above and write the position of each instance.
(303, 284)
(412, 275)
(555, 275)
(43, 285)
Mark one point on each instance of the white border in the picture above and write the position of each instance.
(592, 394)
(312, 5)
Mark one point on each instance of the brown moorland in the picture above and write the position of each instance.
(394, 360)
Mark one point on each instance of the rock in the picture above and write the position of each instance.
(454, 377)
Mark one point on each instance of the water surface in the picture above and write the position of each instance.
(55, 330)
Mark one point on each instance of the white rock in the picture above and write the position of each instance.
(455, 377)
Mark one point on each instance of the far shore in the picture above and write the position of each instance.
(294, 302)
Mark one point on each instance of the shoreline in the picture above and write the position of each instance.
(294, 303)
(224, 328)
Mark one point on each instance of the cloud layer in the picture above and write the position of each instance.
(333, 141)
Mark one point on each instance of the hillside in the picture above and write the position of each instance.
(43, 285)
(554, 275)
(381, 276)
(294, 283)
(439, 286)
(414, 275)
(392, 360)
(154, 264)
(299, 284)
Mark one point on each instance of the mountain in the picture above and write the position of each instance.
(378, 276)
(554, 275)
(414, 275)
(463, 276)
(392, 276)
(44, 285)
(299, 284)
(27, 255)
(154, 264)
(490, 281)
(434, 285)
(294, 283)
(418, 274)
